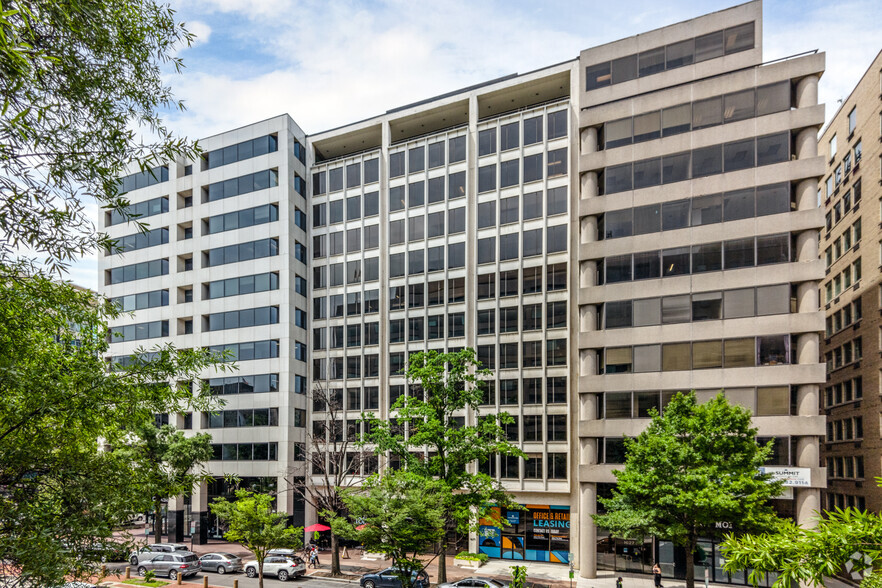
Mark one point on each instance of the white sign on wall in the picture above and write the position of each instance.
(792, 477)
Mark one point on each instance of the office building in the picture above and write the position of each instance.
(604, 232)
(852, 295)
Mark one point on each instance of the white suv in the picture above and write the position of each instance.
(148, 552)
(280, 566)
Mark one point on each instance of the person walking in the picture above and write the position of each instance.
(313, 558)
(656, 575)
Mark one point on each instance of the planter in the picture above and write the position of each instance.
(368, 556)
(473, 564)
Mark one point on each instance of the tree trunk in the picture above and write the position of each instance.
(690, 561)
(157, 521)
(335, 555)
(260, 574)
(442, 562)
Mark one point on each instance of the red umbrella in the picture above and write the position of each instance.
(360, 527)
(316, 527)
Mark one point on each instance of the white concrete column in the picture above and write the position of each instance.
(587, 362)
(588, 229)
(588, 408)
(807, 246)
(807, 193)
(587, 531)
(807, 452)
(587, 318)
(807, 92)
(808, 504)
(807, 349)
(807, 297)
(589, 185)
(807, 143)
(587, 274)
(807, 403)
(589, 140)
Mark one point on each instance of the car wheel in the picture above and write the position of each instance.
(283, 576)
(369, 584)
(172, 575)
(251, 572)
(221, 570)
(142, 571)
(133, 560)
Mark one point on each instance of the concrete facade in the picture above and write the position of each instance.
(850, 292)
(523, 217)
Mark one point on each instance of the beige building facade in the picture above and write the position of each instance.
(605, 232)
(851, 246)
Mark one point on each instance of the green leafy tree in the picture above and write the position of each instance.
(399, 514)
(59, 406)
(693, 466)
(82, 82)
(168, 465)
(253, 522)
(805, 556)
(443, 384)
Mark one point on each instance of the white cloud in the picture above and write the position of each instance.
(201, 30)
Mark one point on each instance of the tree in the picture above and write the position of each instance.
(333, 460)
(254, 523)
(166, 460)
(443, 384)
(399, 514)
(805, 556)
(693, 466)
(59, 405)
(82, 81)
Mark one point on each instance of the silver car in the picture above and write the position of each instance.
(221, 563)
(148, 552)
(282, 567)
(475, 582)
(183, 563)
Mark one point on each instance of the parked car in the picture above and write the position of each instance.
(148, 551)
(475, 583)
(280, 566)
(389, 578)
(221, 563)
(183, 563)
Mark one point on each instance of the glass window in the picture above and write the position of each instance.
(487, 214)
(487, 178)
(676, 120)
(509, 173)
(773, 400)
(618, 360)
(707, 257)
(647, 173)
(675, 215)
(557, 162)
(487, 142)
(533, 130)
(709, 46)
(533, 168)
(647, 126)
(532, 242)
(679, 54)
(508, 210)
(487, 250)
(675, 262)
(436, 224)
(647, 358)
(773, 249)
(738, 106)
(617, 223)
(618, 178)
(416, 159)
(707, 306)
(773, 299)
(707, 161)
(436, 189)
(676, 309)
(738, 155)
(707, 354)
(416, 194)
(435, 255)
(396, 198)
(455, 255)
(675, 168)
(617, 133)
(707, 209)
(772, 199)
(455, 221)
(707, 113)
(416, 228)
(557, 124)
(739, 253)
(618, 314)
(773, 98)
(624, 69)
(676, 356)
(739, 38)
(372, 204)
(456, 147)
(618, 269)
(773, 349)
(647, 312)
(738, 303)
(436, 154)
(508, 247)
(510, 136)
(647, 219)
(652, 61)
(396, 164)
(647, 265)
(738, 205)
(597, 76)
(773, 149)
(456, 185)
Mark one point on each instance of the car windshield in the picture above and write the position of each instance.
(227, 555)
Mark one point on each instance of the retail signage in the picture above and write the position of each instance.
(792, 477)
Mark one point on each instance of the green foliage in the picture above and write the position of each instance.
(693, 466)
(518, 577)
(469, 556)
(449, 383)
(254, 523)
(874, 580)
(149, 575)
(402, 516)
(166, 462)
(82, 84)
(805, 556)
(59, 405)
(150, 584)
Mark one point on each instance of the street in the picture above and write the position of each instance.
(268, 581)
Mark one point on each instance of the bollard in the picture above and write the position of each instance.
(128, 572)
(178, 581)
(204, 581)
(235, 583)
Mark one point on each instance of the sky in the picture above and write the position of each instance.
(332, 62)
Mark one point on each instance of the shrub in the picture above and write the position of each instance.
(481, 557)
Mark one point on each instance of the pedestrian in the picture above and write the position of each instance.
(313, 558)
(656, 575)
(619, 582)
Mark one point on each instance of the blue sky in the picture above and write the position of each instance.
(328, 62)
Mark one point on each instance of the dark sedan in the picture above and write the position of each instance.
(390, 578)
